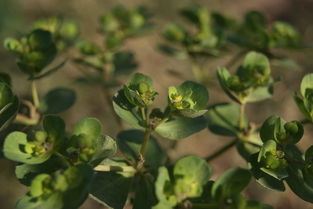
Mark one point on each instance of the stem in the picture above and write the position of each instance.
(145, 141)
(35, 95)
(221, 150)
(235, 59)
(143, 113)
(305, 121)
(242, 117)
(21, 119)
(108, 99)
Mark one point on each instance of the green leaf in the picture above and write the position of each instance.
(263, 178)
(130, 142)
(223, 75)
(144, 192)
(162, 181)
(193, 168)
(232, 182)
(63, 190)
(255, 60)
(127, 111)
(5, 78)
(191, 173)
(13, 45)
(181, 127)
(300, 103)
(267, 130)
(246, 149)
(189, 99)
(57, 100)
(6, 96)
(54, 126)
(124, 63)
(306, 83)
(88, 48)
(171, 51)
(110, 189)
(48, 72)
(298, 185)
(223, 119)
(8, 113)
(90, 127)
(53, 202)
(275, 128)
(14, 149)
(260, 93)
(105, 147)
(174, 33)
(25, 173)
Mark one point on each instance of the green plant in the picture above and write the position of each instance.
(61, 169)
(210, 35)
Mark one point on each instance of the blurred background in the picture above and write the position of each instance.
(16, 16)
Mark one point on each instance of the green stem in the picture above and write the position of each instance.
(108, 98)
(305, 121)
(221, 150)
(145, 141)
(242, 117)
(235, 59)
(143, 113)
(35, 95)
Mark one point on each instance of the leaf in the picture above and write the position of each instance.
(163, 179)
(193, 168)
(181, 127)
(127, 111)
(124, 63)
(306, 83)
(246, 149)
(53, 202)
(262, 178)
(90, 127)
(5, 78)
(298, 185)
(223, 119)
(144, 192)
(57, 100)
(25, 173)
(267, 130)
(257, 60)
(8, 113)
(196, 95)
(299, 101)
(48, 72)
(130, 142)
(168, 50)
(105, 147)
(13, 149)
(110, 189)
(223, 75)
(260, 93)
(54, 126)
(232, 182)
(73, 193)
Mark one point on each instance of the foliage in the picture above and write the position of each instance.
(61, 169)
